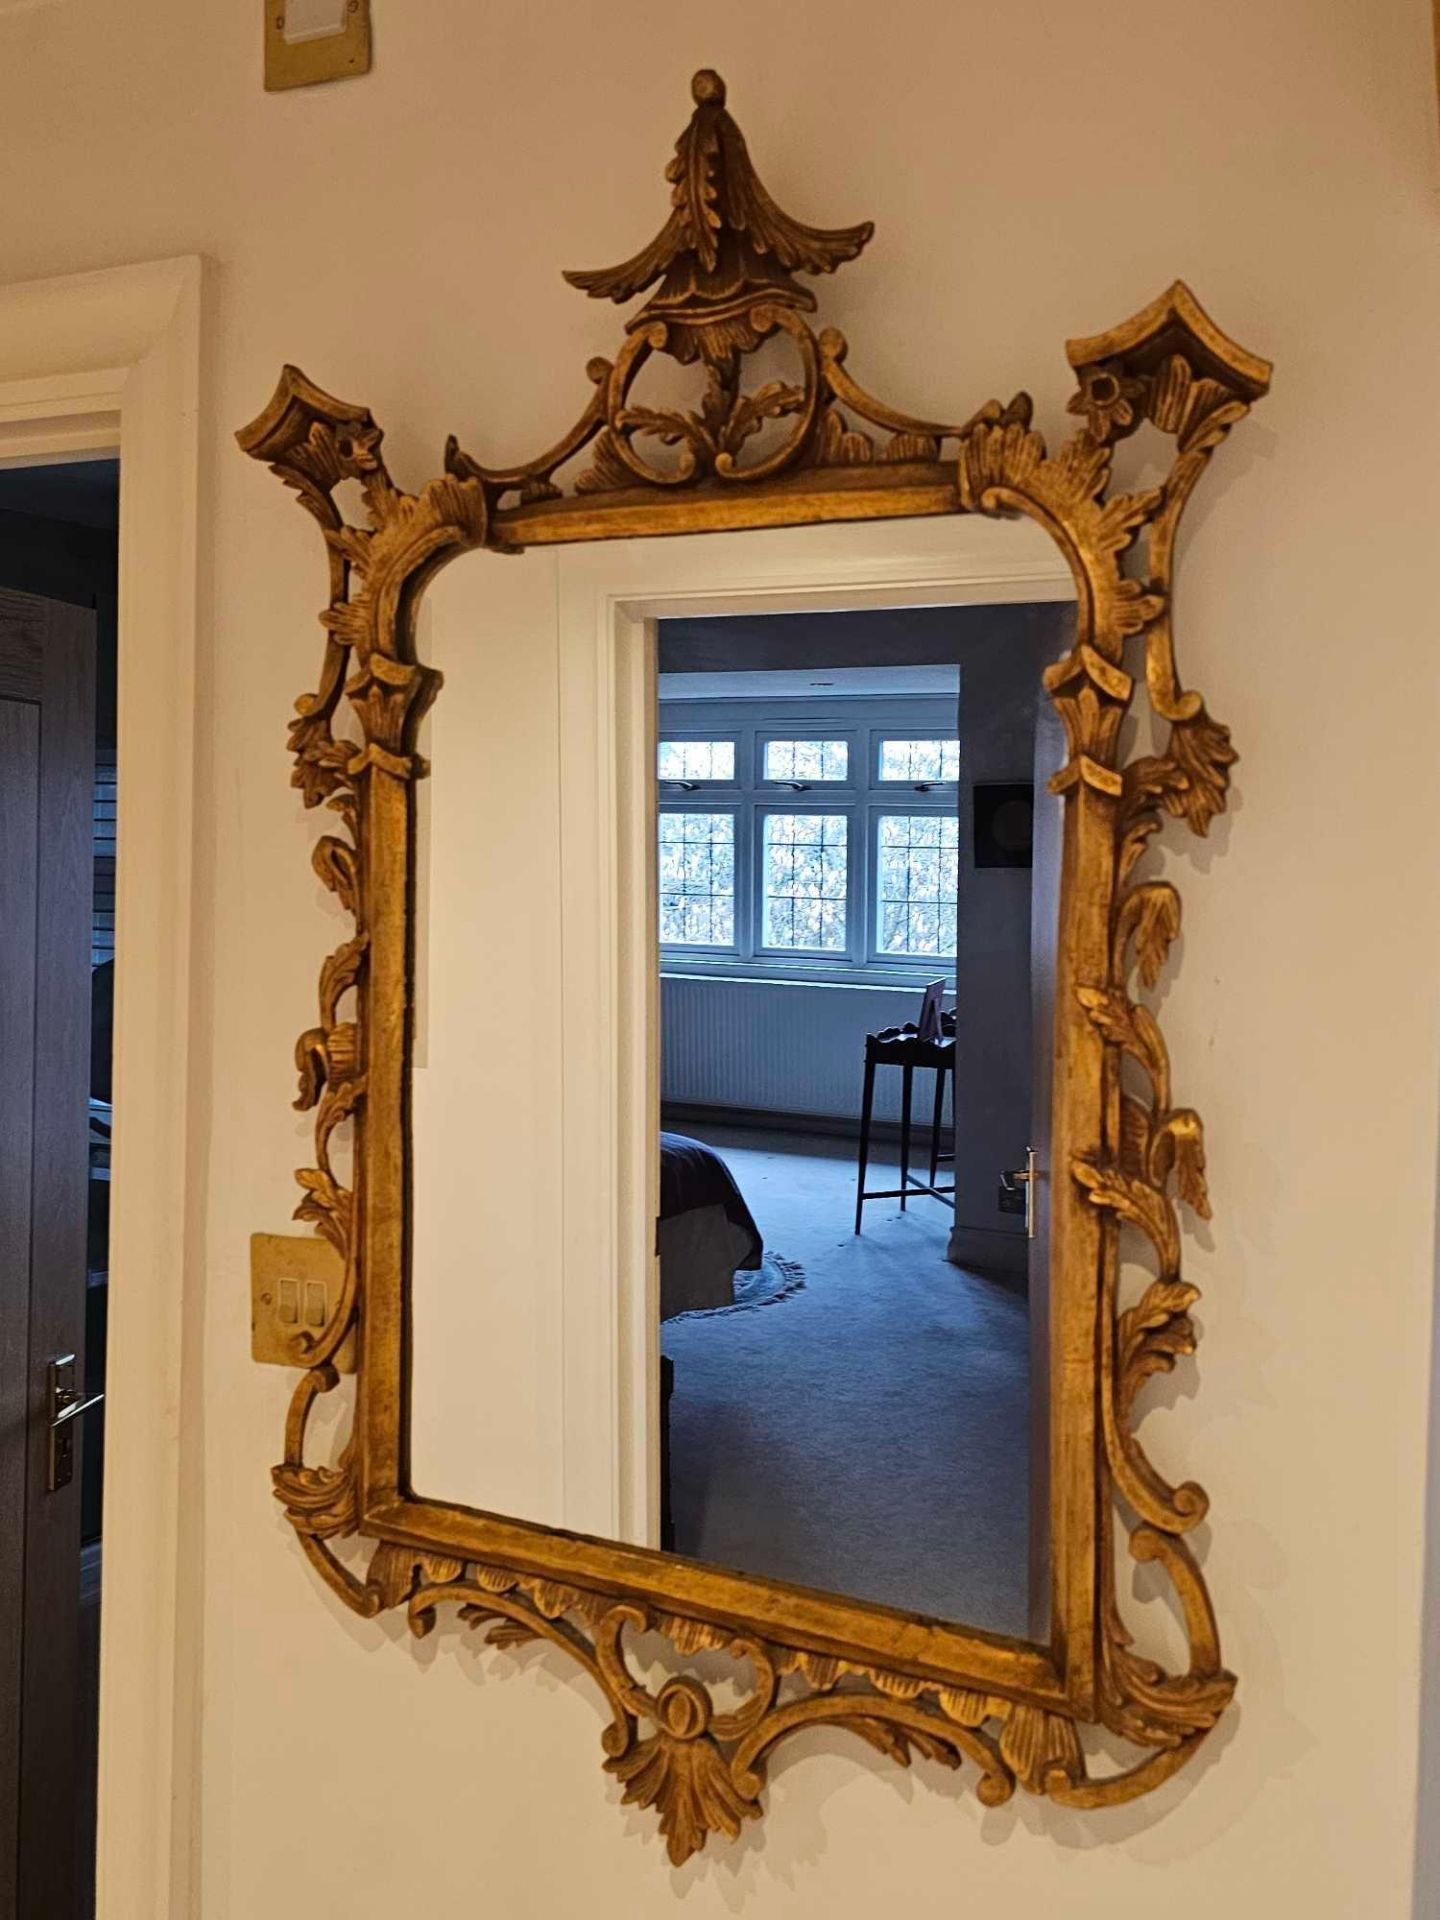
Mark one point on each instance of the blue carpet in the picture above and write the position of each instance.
(870, 1434)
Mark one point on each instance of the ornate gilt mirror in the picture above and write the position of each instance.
(966, 549)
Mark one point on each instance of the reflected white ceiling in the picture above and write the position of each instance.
(809, 683)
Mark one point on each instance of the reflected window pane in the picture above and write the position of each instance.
(697, 879)
(805, 882)
(912, 760)
(918, 879)
(807, 760)
(696, 760)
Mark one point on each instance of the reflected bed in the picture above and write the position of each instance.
(706, 1230)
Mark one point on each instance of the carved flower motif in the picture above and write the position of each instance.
(1108, 402)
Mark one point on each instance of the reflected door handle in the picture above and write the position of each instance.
(1026, 1176)
(64, 1404)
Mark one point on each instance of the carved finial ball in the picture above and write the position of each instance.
(707, 86)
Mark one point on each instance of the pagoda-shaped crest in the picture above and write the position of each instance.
(726, 262)
(727, 257)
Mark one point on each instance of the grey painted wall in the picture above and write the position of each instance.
(1000, 686)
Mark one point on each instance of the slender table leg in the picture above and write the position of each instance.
(909, 1081)
(867, 1101)
(937, 1122)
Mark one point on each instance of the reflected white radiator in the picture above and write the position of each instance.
(770, 1047)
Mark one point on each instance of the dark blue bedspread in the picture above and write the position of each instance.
(694, 1175)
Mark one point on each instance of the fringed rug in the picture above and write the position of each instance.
(775, 1279)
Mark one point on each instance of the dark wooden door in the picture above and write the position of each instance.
(47, 1699)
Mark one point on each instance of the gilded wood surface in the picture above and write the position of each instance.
(725, 263)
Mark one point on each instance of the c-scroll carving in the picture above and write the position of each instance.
(1172, 367)
(314, 443)
(726, 261)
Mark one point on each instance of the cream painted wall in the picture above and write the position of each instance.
(1033, 170)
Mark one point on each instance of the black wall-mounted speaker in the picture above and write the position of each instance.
(1004, 823)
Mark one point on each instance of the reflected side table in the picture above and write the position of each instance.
(902, 1047)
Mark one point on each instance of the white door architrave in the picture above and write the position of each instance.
(94, 363)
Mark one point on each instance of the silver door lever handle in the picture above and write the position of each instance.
(1025, 1176)
(74, 1408)
(64, 1402)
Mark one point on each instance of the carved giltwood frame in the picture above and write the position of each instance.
(726, 261)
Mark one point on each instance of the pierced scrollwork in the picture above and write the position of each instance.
(787, 452)
(1172, 367)
(315, 443)
(703, 1769)
(726, 261)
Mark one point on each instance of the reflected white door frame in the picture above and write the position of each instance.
(610, 599)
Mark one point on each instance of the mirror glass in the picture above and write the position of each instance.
(853, 905)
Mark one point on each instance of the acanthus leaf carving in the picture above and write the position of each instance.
(326, 1206)
(1134, 1029)
(319, 1500)
(1148, 916)
(339, 974)
(1152, 1335)
(1200, 747)
(1138, 1202)
(396, 1572)
(1178, 1147)
(1042, 1748)
(680, 1770)
(334, 862)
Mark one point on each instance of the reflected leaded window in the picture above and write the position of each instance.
(697, 878)
(919, 861)
(696, 760)
(805, 882)
(807, 760)
(935, 761)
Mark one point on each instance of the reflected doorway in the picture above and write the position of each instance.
(845, 889)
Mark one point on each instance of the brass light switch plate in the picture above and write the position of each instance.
(306, 62)
(295, 1282)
